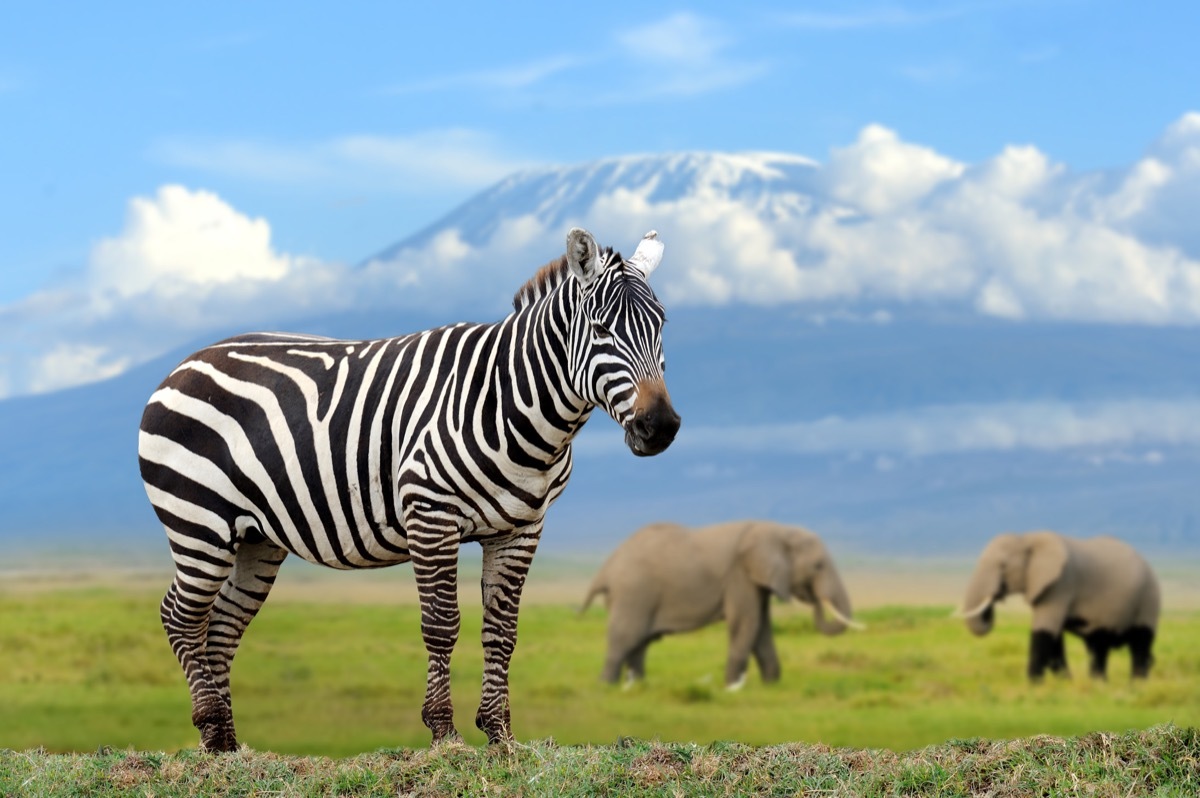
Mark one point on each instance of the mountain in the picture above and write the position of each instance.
(772, 183)
(887, 427)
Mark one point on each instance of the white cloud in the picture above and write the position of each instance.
(518, 76)
(1049, 426)
(181, 241)
(455, 157)
(460, 157)
(884, 16)
(680, 55)
(73, 364)
(939, 72)
(1155, 199)
(880, 174)
(682, 38)
(185, 264)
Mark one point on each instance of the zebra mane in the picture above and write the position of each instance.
(547, 278)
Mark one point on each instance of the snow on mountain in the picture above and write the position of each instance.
(776, 185)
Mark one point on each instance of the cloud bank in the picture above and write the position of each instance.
(1134, 430)
(186, 264)
(679, 55)
(454, 157)
(957, 429)
(885, 222)
(882, 223)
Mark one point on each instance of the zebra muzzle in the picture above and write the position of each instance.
(652, 431)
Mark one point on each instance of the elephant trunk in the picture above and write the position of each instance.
(832, 613)
(978, 607)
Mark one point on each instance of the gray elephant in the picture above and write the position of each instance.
(666, 579)
(1098, 588)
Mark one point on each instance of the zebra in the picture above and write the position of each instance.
(368, 453)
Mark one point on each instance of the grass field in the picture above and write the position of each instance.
(322, 672)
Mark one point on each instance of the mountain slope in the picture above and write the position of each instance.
(70, 462)
(888, 426)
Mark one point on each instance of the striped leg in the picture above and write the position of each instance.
(506, 562)
(433, 545)
(185, 613)
(239, 601)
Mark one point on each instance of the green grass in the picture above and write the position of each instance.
(81, 669)
(1160, 762)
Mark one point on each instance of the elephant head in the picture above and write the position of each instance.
(794, 563)
(1030, 563)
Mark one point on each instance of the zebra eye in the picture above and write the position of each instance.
(600, 330)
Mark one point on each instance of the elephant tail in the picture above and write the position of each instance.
(598, 586)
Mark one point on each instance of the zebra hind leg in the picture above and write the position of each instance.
(185, 612)
(240, 598)
(433, 545)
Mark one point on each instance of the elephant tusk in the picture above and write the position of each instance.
(842, 619)
(983, 605)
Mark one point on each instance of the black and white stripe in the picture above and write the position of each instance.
(361, 454)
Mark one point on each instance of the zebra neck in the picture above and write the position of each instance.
(536, 380)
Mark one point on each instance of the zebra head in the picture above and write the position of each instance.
(616, 340)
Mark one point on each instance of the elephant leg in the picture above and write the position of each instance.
(624, 638)
(505, 566)
(1098, 645)
(1141, 641)
(1044, 648)
(1058, 657)
(745, 620)
(613, 662)
(636, 660)
(764, 645)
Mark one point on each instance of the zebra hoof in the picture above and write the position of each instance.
(215, 723)
(451, 737)
(217, 740)
(497, 728)
(502, 736)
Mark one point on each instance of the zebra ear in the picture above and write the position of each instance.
(648, 254)
(583, 255)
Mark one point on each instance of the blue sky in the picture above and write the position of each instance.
(327, 133)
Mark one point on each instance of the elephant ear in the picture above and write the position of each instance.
(1047, 561)
(767, 563)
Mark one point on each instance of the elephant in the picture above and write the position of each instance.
(1097, 588)
(665, 579)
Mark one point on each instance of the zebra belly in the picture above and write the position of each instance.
(480, 506)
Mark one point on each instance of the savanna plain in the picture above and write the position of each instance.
(333, 671)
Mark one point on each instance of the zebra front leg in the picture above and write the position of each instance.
(185, 613)
(506, 562)
(433, 546)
